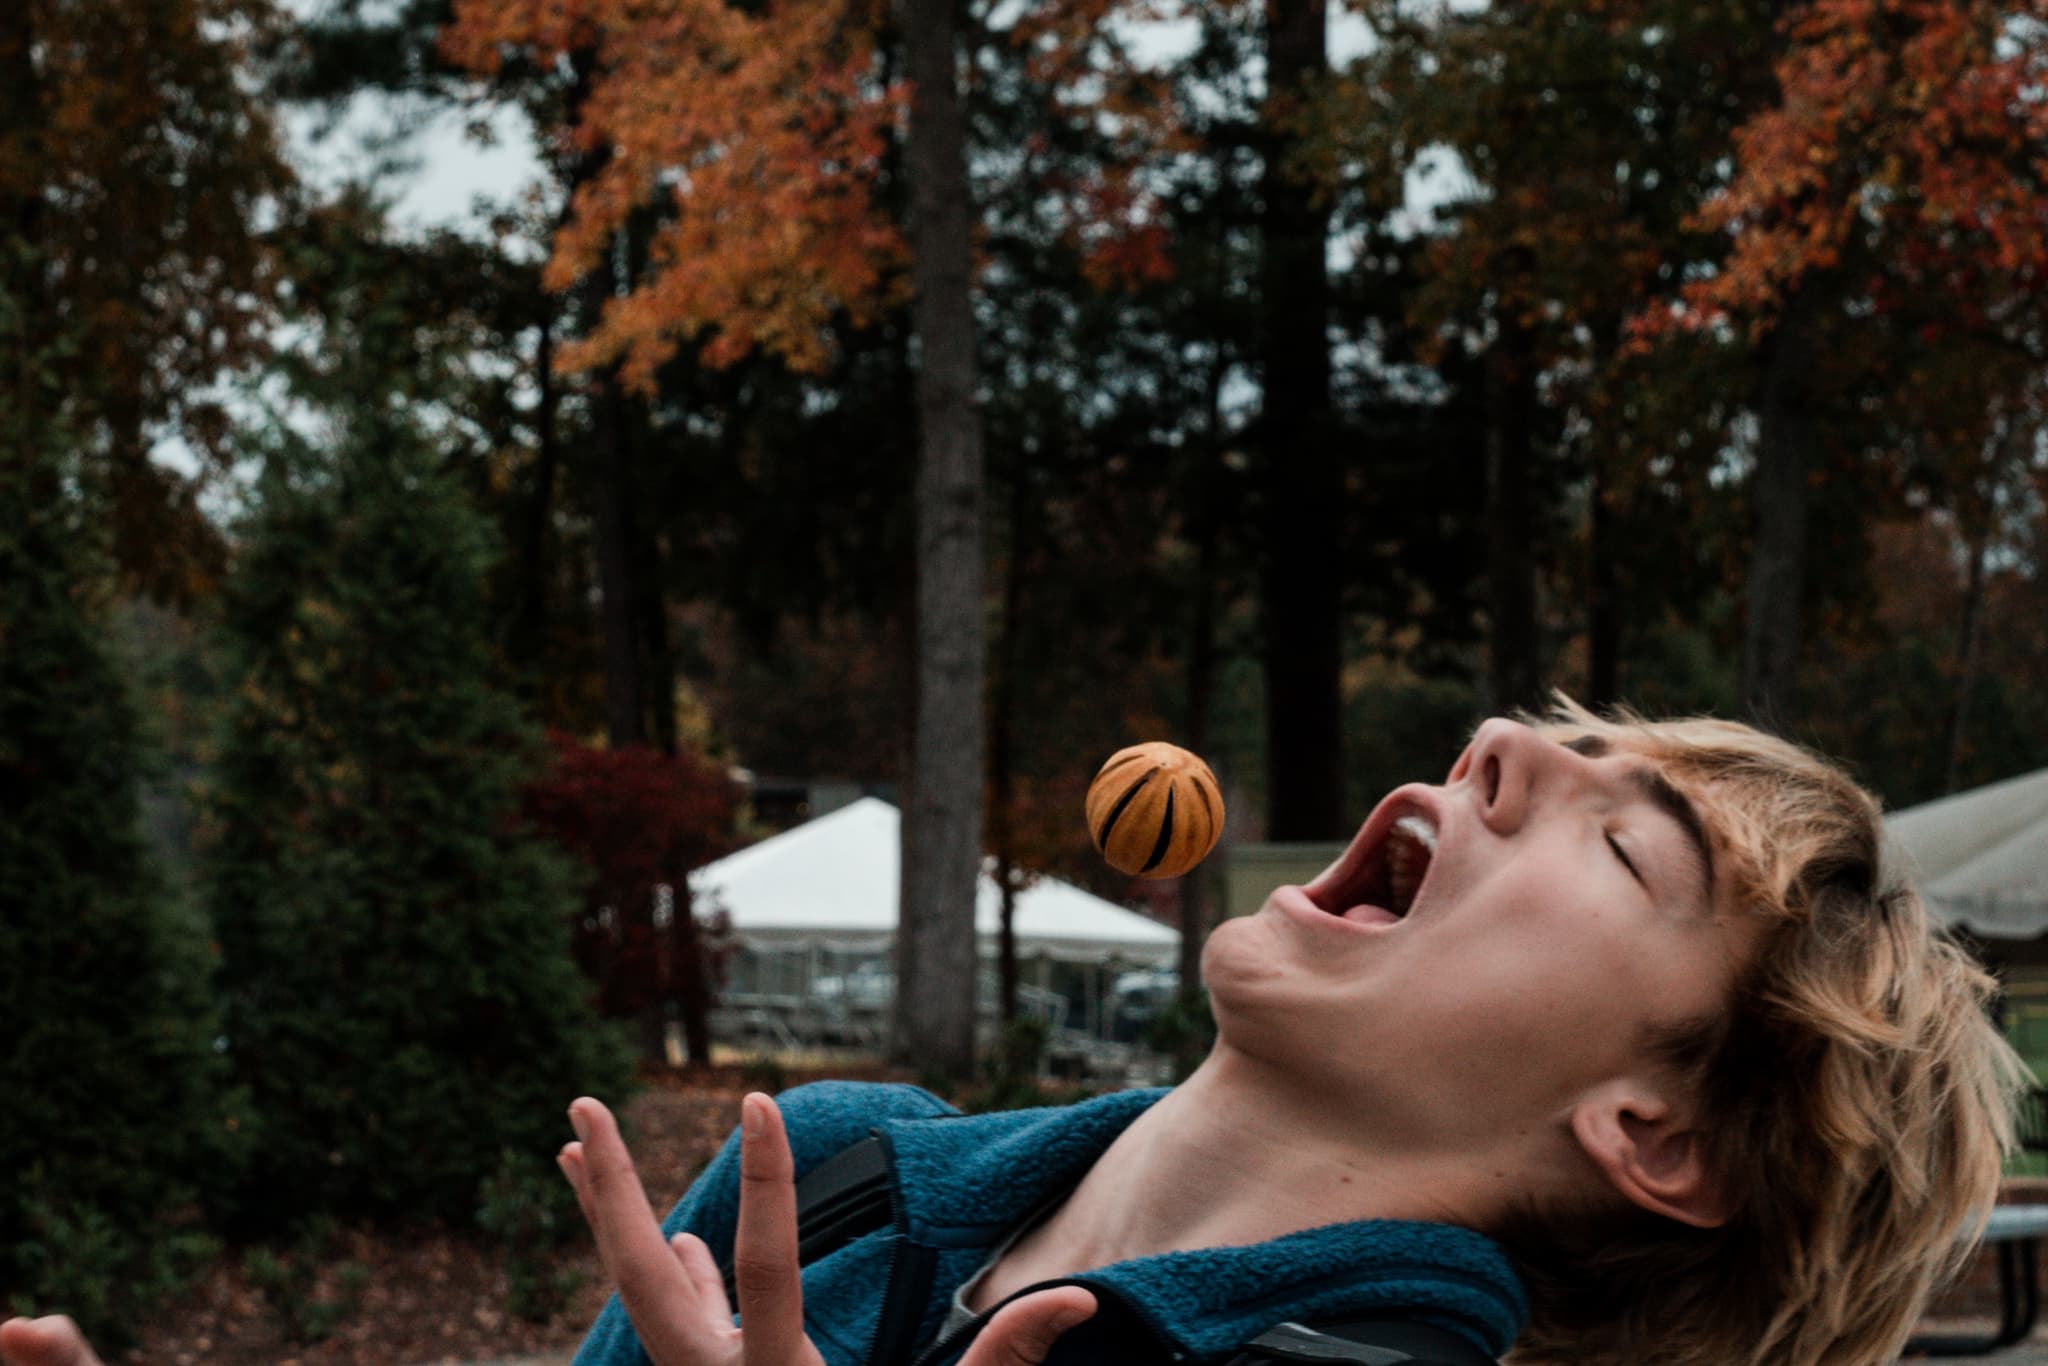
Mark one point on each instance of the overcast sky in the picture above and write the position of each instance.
(446, 170)
(441, 171)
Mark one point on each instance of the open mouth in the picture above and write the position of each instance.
(1380, 876)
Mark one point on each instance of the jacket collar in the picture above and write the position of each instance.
(966, 1181)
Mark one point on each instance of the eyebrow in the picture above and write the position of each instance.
(1658, 790)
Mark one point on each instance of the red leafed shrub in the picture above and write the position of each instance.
(639, 820)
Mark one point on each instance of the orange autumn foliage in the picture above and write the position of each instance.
(1081, 54)
(762, 134)
(1917, 125)
(759, 132)
(137, 165)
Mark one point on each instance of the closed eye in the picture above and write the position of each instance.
(1626, 862)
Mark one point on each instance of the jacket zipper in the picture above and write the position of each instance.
(910, 1264)
(952, 1342)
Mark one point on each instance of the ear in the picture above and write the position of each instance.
(1651, 1153)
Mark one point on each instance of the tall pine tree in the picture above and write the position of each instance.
(397, 988)
(110, 1101)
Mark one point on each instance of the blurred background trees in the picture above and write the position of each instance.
(131, 158)
(396, 1001)
(103, 965)
(1301, 381)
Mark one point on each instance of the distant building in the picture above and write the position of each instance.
(782, 803)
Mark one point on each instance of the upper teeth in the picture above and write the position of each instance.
(1408, 855)
(1418, 828)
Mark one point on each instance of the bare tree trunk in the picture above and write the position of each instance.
(1006, 947)
(1607, 608)
(935, 948)
(1604, 608)
(1969, 653)
(660, 666)
(624, 695)
(1302, 598)
(1513, 668)
(691, 983)
(1773, 638)
(610, 473)
(1194, 886)
(648, 590)
(1001, 756)
(1207, 527)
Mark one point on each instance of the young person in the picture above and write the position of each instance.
(1618, 1046)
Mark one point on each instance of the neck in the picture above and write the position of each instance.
(1237, 1154)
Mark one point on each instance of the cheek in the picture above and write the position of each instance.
(1531, 1048)
(1598, 993)
(1586, 986)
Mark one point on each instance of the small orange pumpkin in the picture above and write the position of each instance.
(1154, 810)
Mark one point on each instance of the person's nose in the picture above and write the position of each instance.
(1507, 764)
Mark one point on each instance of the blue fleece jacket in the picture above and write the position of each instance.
(964, 1182)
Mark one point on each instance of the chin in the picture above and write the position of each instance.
(1231, 951)
(1246, 974)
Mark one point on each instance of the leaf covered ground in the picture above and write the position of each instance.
(381, 1298)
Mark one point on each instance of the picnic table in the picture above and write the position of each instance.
(2017, 1231)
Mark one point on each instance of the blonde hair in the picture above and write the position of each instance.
(1859, 1096)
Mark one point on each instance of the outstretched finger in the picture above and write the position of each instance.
(657, 1293)
(1024, 1330)
(52, 1341)
(765, 1266)
(570, 1160)
(702, 1269)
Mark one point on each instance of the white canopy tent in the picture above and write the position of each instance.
(833, 883)
(813, 912)
(1981, 857)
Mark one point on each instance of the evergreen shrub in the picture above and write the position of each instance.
(111, 1106)
(397, 990)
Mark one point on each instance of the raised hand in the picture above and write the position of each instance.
(53, 1341)
(674, 1294)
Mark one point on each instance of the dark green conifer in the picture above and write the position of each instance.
(398, 993)
(109, 1108)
